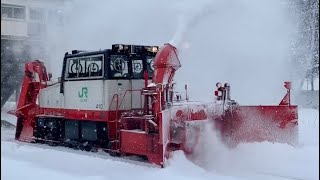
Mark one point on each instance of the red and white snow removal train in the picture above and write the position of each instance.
(121, 100)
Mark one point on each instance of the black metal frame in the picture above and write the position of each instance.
(133, 52)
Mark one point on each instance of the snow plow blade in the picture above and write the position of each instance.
(245, 124)
(260, 123)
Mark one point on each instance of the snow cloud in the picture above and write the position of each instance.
(243, 42)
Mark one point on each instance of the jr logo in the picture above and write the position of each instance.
(83, 94)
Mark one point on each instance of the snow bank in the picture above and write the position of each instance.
(181, 167)
(68, 164)
(8, 117)
(309, 127)
(9, 105)
(40, 173)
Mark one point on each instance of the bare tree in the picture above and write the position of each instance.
(305, 48)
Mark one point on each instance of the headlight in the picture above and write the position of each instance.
(154, 49)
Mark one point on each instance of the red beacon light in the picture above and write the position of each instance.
(219, 90)
(219, 85)
(287, 85)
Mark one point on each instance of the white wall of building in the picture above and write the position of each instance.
(28, 18)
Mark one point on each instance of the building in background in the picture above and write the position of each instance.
(24, 24)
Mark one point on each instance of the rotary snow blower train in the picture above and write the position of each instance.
(122, 100)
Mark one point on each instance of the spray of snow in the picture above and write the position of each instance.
(99, 24)
(243, 42)
(264, 158)
(190, 17)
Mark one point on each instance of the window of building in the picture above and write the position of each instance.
(12, 12)
(85, 67)
(36, 28)
(55, 17)
(6, 12)
(36, 14)
(18, 13)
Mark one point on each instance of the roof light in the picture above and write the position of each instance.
(154, 49)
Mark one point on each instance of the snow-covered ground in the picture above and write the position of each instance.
(248, 161)
(7, 117)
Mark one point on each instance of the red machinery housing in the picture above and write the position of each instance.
(273, 123)
(121, 100)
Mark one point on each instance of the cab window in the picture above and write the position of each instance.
(150, 65)
(137, 69)
(85, 67)
(119, 66)
(95, 67)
